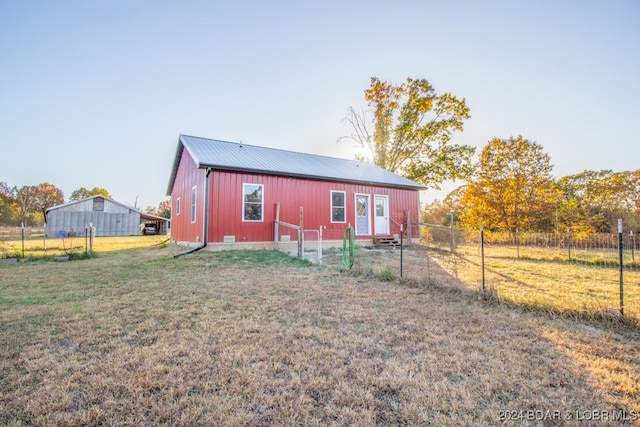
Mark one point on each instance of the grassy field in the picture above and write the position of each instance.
(136, 337)
(42, 248)
(540, 279)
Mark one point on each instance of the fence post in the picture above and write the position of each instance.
(320, 246)
(92, 235)
(401, 233)
(633, 246)
(620, 246)
(482, 255)
(301, 235)
(276, 227)
(451, 242)
(22, 232)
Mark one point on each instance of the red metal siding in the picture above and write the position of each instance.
(226, 208)
(187, 176)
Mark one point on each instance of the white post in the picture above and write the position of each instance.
(320, 246)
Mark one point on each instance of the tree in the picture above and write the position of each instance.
(513, 189)
(8, 205)
(594, 200)
(26, 204)
(413, 130)
(48, 195)
(26, 198)
(33, 199)
(164, 209)
(440, 212)
(83, 193)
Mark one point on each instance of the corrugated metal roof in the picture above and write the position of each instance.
(223, 155)
(73, 202)
(124, 205)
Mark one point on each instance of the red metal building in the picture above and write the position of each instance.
(226, 193)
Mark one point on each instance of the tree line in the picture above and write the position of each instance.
(510, 188)
(25, 206)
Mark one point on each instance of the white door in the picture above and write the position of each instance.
(382, 215)
(363, 219)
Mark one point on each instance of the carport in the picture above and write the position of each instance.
(162, 224)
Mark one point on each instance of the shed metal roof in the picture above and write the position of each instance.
(143, 215)
(224, 155)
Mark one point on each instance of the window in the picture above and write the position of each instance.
(252, 202)
(178, 206)
(193, 204)
(338, 209)
(98, 204)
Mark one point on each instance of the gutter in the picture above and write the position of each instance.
(205, 231)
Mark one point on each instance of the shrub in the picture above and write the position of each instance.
(386, 275)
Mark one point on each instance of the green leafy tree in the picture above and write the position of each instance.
(513, 189)
(83, 193)
(413, 131)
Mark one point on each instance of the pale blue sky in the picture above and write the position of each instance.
(95, 93)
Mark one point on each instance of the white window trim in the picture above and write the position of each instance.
(244, 184)
(194, 204)
(344, 193)
(178, 206)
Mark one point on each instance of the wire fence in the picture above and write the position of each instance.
(583, 275)
(16, 242)
(591, 275)
(579, 276)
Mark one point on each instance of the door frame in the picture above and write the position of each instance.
(386, 216)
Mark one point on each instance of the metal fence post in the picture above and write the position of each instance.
(22, 232)
(482, 256)
(401, 244)
(620, 246)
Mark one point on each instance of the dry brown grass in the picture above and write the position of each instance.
(253, 338)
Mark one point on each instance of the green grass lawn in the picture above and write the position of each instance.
(136, 337)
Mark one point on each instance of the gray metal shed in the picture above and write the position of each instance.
(109, 217)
